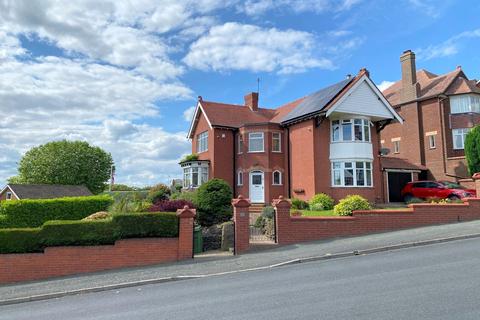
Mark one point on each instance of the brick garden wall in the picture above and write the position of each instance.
(299, 229)
(61, 261)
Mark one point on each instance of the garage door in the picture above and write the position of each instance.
(396, 182)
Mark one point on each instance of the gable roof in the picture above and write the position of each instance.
(432, 85)
(47, 191)
(236, 116)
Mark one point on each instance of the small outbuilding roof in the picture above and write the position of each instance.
(47, 191)
(399, 163)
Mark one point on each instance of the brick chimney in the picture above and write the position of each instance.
(251, 101)
(410, 87)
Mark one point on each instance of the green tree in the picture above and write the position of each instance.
(66, 162)
(213, 202)
(472, 150)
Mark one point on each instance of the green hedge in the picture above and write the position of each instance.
(20, 240)
(81, 232)
(147, 225)
(30, 213)
(68, 233)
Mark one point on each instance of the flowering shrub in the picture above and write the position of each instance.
(347, 205)
(170, 205)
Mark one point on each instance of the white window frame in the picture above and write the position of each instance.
(202, 176)
(432, 141)
(364, 126)
(367, 172)
(202, 142)
(459, 132)
(250, 134)
(239, 178)
(8, 196)
(279, 178)
(279, 138)
(396, 146)
(465, 103)
(240, 144)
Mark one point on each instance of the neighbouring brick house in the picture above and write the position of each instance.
(438, 112)
(42, 191)
(325, 142)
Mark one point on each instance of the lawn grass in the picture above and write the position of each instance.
(323, 213)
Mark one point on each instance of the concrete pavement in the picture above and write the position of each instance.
(224, 264)
(438, 282)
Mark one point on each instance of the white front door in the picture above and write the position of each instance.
(257, 189)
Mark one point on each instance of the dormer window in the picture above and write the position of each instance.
(351, 130)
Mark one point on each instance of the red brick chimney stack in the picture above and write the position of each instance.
(410, 87)
(251, 101)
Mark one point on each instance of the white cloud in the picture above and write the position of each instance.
(448, 48)
(234, 46)
(188, 114)
(259, 7)
(9, 46)
(117, 61)
(385, 85)
(429, 7)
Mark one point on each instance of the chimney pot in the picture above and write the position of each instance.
(251, 101)
(200, 98)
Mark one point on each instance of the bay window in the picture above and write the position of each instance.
(240, 144)
(459, 137)
(255, 142)
(202, 142)
(465, 103)
(351, 130)
(276, 142)
(352, 174)
(194, 175)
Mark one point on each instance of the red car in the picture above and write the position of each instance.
(436, 189)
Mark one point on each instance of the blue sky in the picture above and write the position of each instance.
(125, 75)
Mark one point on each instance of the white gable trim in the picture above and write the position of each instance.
(9, 188)
(367, 80)
(195, 119)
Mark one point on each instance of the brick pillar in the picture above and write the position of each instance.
(241, 217)
(282, 219)
(185, 232)
(476, 178)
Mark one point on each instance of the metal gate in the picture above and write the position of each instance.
(262, 228)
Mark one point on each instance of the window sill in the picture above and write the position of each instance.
(200, 152)
(256, 151)
(276, 151)
(277, 185)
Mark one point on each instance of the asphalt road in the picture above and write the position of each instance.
(440, 281)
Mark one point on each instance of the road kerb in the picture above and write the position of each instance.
(327, 256)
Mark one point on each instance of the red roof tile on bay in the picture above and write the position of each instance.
(236, 116)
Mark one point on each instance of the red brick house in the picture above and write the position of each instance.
(325, 142)
(438, 111)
